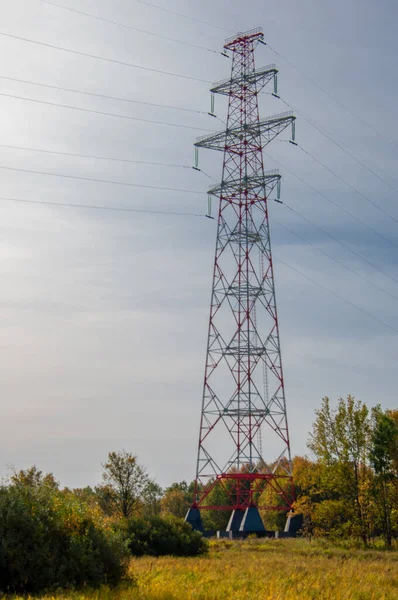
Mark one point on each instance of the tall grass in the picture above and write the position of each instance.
(260, 570)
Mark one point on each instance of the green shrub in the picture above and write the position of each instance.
(50, 539)
(158, 536)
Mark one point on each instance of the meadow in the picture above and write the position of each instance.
(261, 570)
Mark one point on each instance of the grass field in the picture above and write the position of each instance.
(260, 570)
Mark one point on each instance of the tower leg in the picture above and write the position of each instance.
(293, 523)
(194, 519)
(235, 520)
(252, 521)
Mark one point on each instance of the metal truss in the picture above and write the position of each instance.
(269, 180)
(263, 132)
(260, 77)
(244, 409)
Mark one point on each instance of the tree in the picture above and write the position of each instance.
(151, 498)
(124, 484)
(393, 414)
(383, 451)
(175, 502)
(33, 478)
(340, 440)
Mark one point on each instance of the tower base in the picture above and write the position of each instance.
(194, 519)
(293, 523)
(235, 520)
(252, 521)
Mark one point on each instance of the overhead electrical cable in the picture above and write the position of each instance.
(103, 58)
(95, 95)
(112, 208)
(100, 112)
(328, 135)
(365, 312)
(344, 210)
(94, 180)
(118, 24)
(94, 157)
(312, 81)
(339, 262)
(372, 264)
(372, 202)
(184, 16)
(316, 84)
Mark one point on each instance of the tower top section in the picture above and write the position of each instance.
(243, 38)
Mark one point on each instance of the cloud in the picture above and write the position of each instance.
(105, 314)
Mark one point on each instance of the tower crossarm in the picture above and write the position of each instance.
(234, 43)
(257, 79)
(237, 186)
(263, 131)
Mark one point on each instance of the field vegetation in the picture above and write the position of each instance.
(262, 569)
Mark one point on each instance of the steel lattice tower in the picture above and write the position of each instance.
(244, 409)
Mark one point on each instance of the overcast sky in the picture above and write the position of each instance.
(104, 314)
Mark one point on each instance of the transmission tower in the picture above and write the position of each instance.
(244, 409)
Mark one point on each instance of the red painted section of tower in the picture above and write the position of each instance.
(243, 396)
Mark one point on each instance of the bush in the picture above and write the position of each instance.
(158, 536)
(51, 539)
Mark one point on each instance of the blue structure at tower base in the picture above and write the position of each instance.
(235, 520)
(294, 523)
(194, 519)
(252, 521)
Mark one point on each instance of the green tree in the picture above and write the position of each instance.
(340, 440)
(175, 502)
(217, 519)
(383, 450)
(124, 484)
(33, 478)
(151, 498)
(86, 495)
(51, 539)
(177, 498)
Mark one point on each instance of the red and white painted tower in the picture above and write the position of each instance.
(244, 438)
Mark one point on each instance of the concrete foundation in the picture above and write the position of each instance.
(293, 523)
(252, 522)
(235, 520)
(194, 519)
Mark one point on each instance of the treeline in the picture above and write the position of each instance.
(350, 488)
(52, 538)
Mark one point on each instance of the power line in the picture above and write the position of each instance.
(344, 210)
(103, 58)
(338, 296)
(372, 202)
(118, 24)
(336, 260)
(328, 135)
(75, 91)
(184, 16)
(124, 183)
(372, 264)
(314, 83)
(176, 213)
(112, 208)
(107, 158)
(100, 112)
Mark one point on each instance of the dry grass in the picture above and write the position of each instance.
(260, 570)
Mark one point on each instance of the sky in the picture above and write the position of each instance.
(104, 314)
